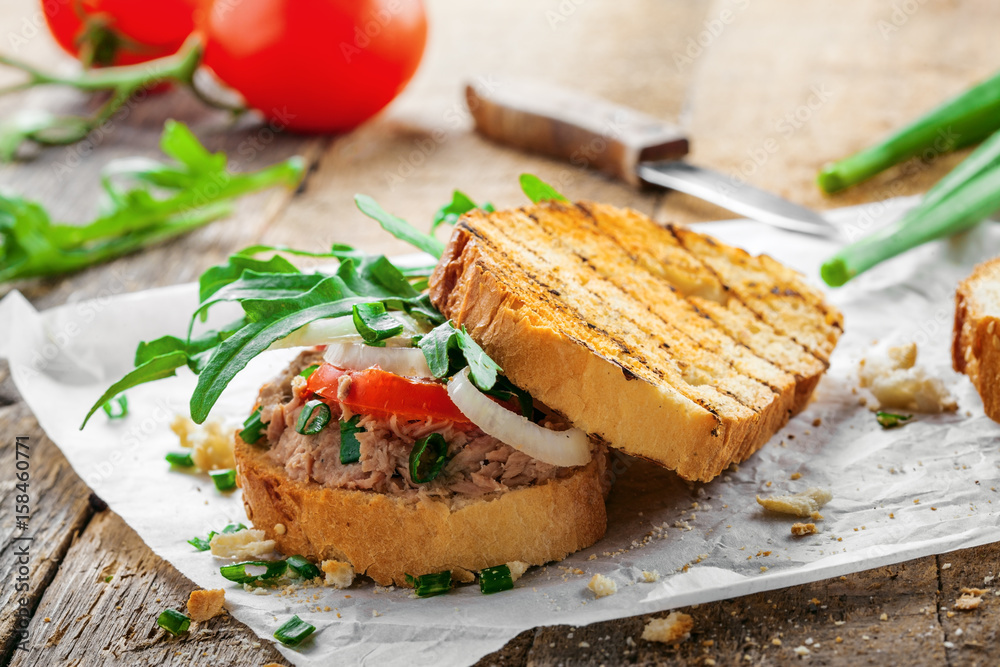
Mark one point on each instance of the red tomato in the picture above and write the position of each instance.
(314, 65)
(119, 32)
(374, 391)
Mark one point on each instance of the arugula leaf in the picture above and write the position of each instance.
(179, 142)
(398, 227)
(374, 324)
(538, 190)
(448, 350)
(258, 285)
(268, 321)
(482, 369)
(148, 202)
(421, 309)
(155, 369)
(460, 204)
(437, 346)
(217, 277)
(195, 348)
(375, 277)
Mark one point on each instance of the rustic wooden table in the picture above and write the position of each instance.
(767, 88)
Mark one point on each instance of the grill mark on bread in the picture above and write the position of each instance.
(795, 369)
(494, 270)
(821, 345)
(552, 298)
(711, 346)
(692, 391)
(596, 229)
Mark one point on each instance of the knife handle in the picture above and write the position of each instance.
(584, 130)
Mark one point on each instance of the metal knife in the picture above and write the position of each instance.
(623, 142)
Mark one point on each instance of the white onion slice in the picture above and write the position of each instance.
(405, 361)
(558, 448)
(341, 330)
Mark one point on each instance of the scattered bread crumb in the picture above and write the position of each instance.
(884, 617)
(802, 651)
(279, 528)
(817, 422)
(898, 383)
(776, 641)
(203, 605)
(650, 576)
(212, 442)
(517, 569)
(602, 586)
(338, 573)
(800, 504)
(970, 599)
(800, 529)
(795, 475)
(241, 544)
(676, 627)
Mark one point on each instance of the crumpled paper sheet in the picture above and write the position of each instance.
(707, 541)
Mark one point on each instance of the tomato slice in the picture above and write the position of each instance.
(374, 391)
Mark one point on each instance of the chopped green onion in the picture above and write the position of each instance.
(890, 420)
(427, 458)
(173, 621)
(233, 528)
(350, 448)
(237, 571)
(429, 585)
(225, 480)
(293, 631)
(313, 418)
(963, 120)
(495, 579)
(302, 567)
(374, 323)
(253, 428)
(307, 371)
(180, 459)
(121, 411)
(202, 544)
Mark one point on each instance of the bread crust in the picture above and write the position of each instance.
(976, 336)
(386, 537)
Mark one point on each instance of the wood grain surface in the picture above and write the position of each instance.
(819, 79)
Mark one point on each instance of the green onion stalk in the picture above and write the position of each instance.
(959, 201)
(961, 121)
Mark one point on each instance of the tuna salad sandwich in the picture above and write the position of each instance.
(457, 418)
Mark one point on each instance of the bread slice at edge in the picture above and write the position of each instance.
(385, 537)
(976, 336)
(596, 393)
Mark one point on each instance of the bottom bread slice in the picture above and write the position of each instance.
(386, 537)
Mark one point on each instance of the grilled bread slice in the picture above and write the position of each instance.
(976, 338)
(632, 331)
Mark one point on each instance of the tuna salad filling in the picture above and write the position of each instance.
(477, 464)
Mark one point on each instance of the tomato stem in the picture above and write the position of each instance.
(178, 67)
(122, 82)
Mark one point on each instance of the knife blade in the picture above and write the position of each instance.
(623, 142)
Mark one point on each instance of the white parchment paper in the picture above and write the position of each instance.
(706, 540)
